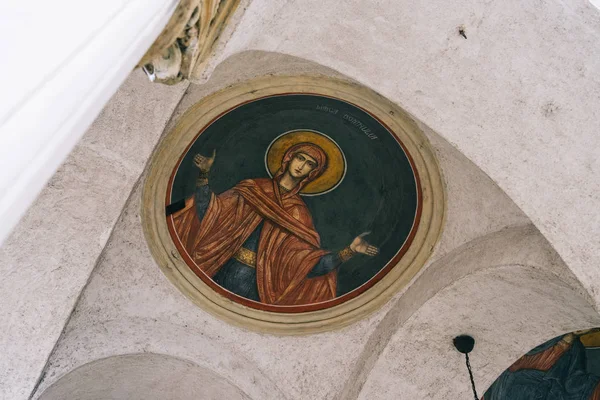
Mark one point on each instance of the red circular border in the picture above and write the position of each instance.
(305, 307)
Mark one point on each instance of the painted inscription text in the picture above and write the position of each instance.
(360, 126)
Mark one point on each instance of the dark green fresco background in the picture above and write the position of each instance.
(378, 193)
(566, 369)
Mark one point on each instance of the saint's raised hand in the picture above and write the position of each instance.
(360, 245)
(204, 163)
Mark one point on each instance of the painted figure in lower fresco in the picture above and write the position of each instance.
(258, 240)
(555, 370)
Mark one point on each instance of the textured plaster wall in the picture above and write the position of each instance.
(47, 260)
(519, 96)
(130, 307)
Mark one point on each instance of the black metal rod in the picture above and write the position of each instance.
(471, 376)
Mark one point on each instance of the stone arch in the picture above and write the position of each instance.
(508, 289)
(507, 308)
(147, 376)
(88, 344)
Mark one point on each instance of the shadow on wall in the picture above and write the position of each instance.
(566, 367)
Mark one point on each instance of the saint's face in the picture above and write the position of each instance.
(301, 165)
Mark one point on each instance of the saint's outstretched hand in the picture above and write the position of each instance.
(204, 163)
(360, 245)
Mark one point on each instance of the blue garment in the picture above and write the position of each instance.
(238, 277)
(567, 379)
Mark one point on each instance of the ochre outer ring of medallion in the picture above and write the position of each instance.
(308, 318)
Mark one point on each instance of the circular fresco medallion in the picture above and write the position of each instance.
(293, 205)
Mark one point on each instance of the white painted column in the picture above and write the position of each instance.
(61, 62)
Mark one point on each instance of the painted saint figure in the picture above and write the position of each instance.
(258, 240)
(555, 370)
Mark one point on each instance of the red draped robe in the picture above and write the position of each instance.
(288, 248)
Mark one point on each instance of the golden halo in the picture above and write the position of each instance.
(336, 161)
(591, 339)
